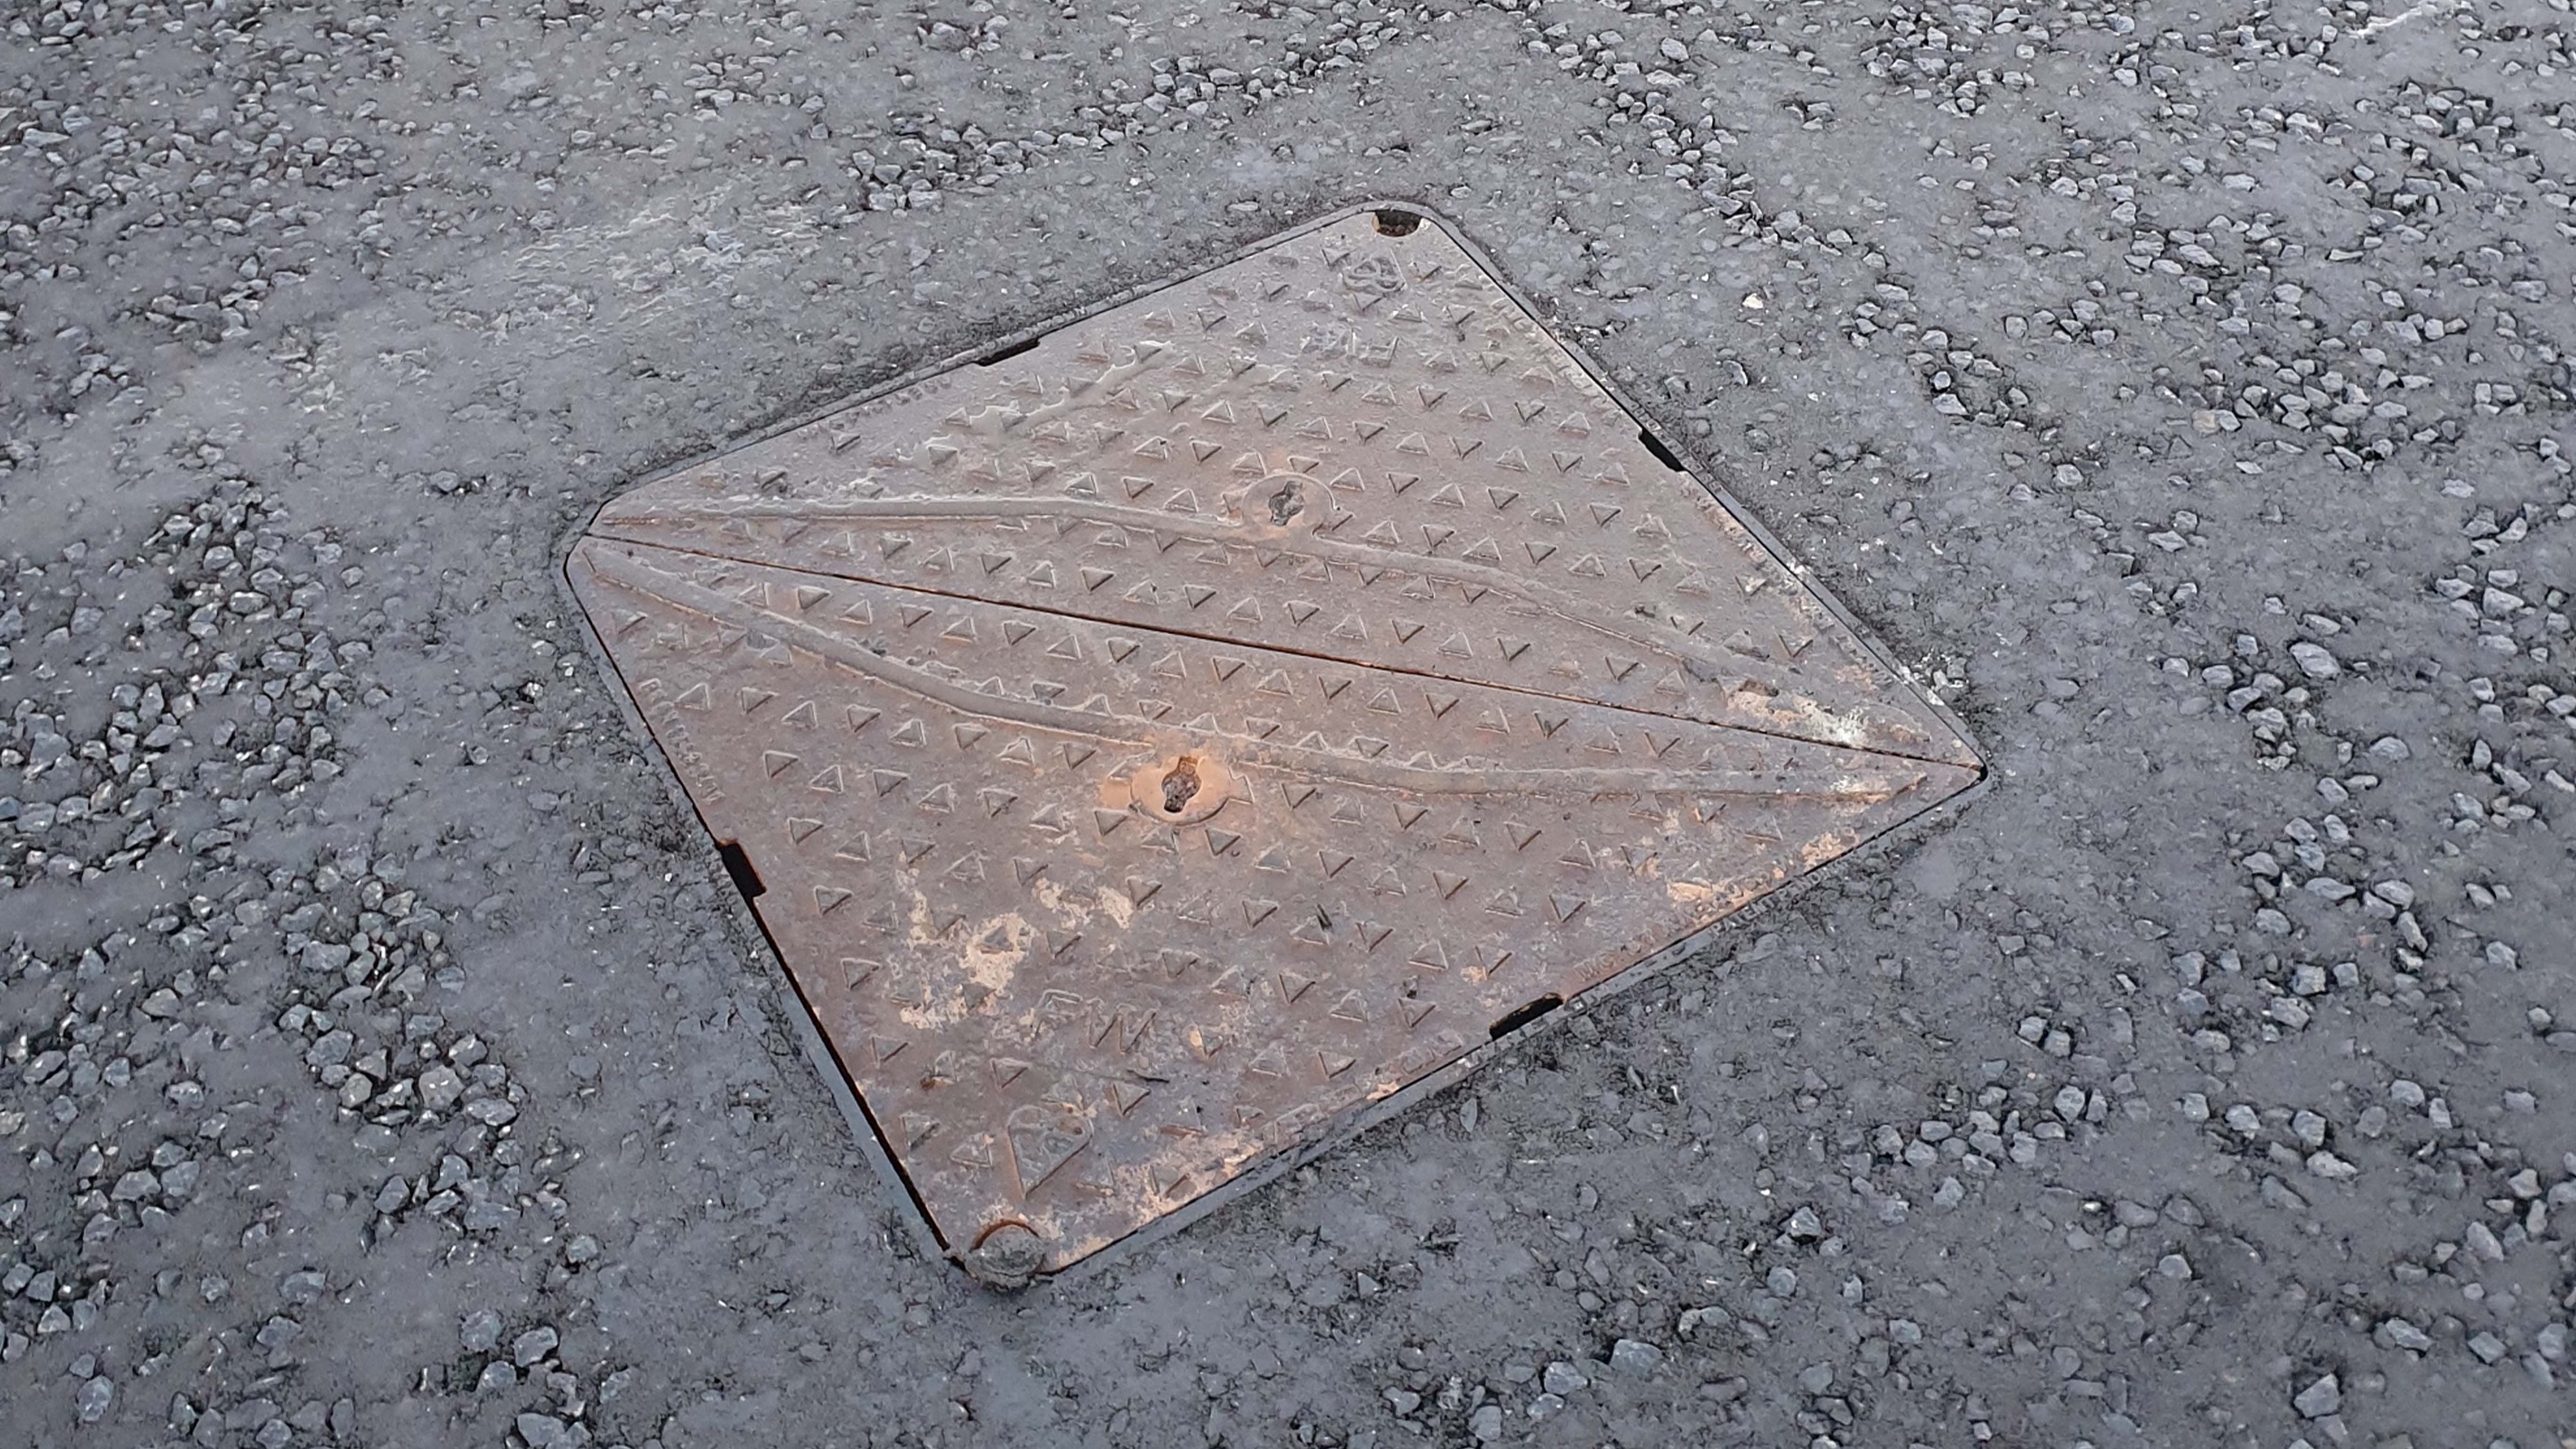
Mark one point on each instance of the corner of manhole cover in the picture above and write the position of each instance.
(1159, 742)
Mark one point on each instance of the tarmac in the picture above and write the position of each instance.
(2181, 396)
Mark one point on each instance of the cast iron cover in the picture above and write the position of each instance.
(1158, 742)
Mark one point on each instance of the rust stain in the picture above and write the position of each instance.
(1222, 714)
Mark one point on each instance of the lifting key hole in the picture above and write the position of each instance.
(738, 866)
(1000, 355)
(1522, 1015)
(1662, 454)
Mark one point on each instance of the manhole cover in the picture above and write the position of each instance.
(1157, 742)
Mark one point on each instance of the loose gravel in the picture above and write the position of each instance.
(2184, 394)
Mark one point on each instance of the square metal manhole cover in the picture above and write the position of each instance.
(1157, 742)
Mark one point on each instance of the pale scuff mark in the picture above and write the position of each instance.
(675, 246)
(2379, 23)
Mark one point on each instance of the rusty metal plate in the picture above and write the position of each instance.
(1157, 743)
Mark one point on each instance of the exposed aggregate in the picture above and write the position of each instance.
(2184, 394)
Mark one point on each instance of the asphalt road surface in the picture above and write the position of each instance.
(2183, 394)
